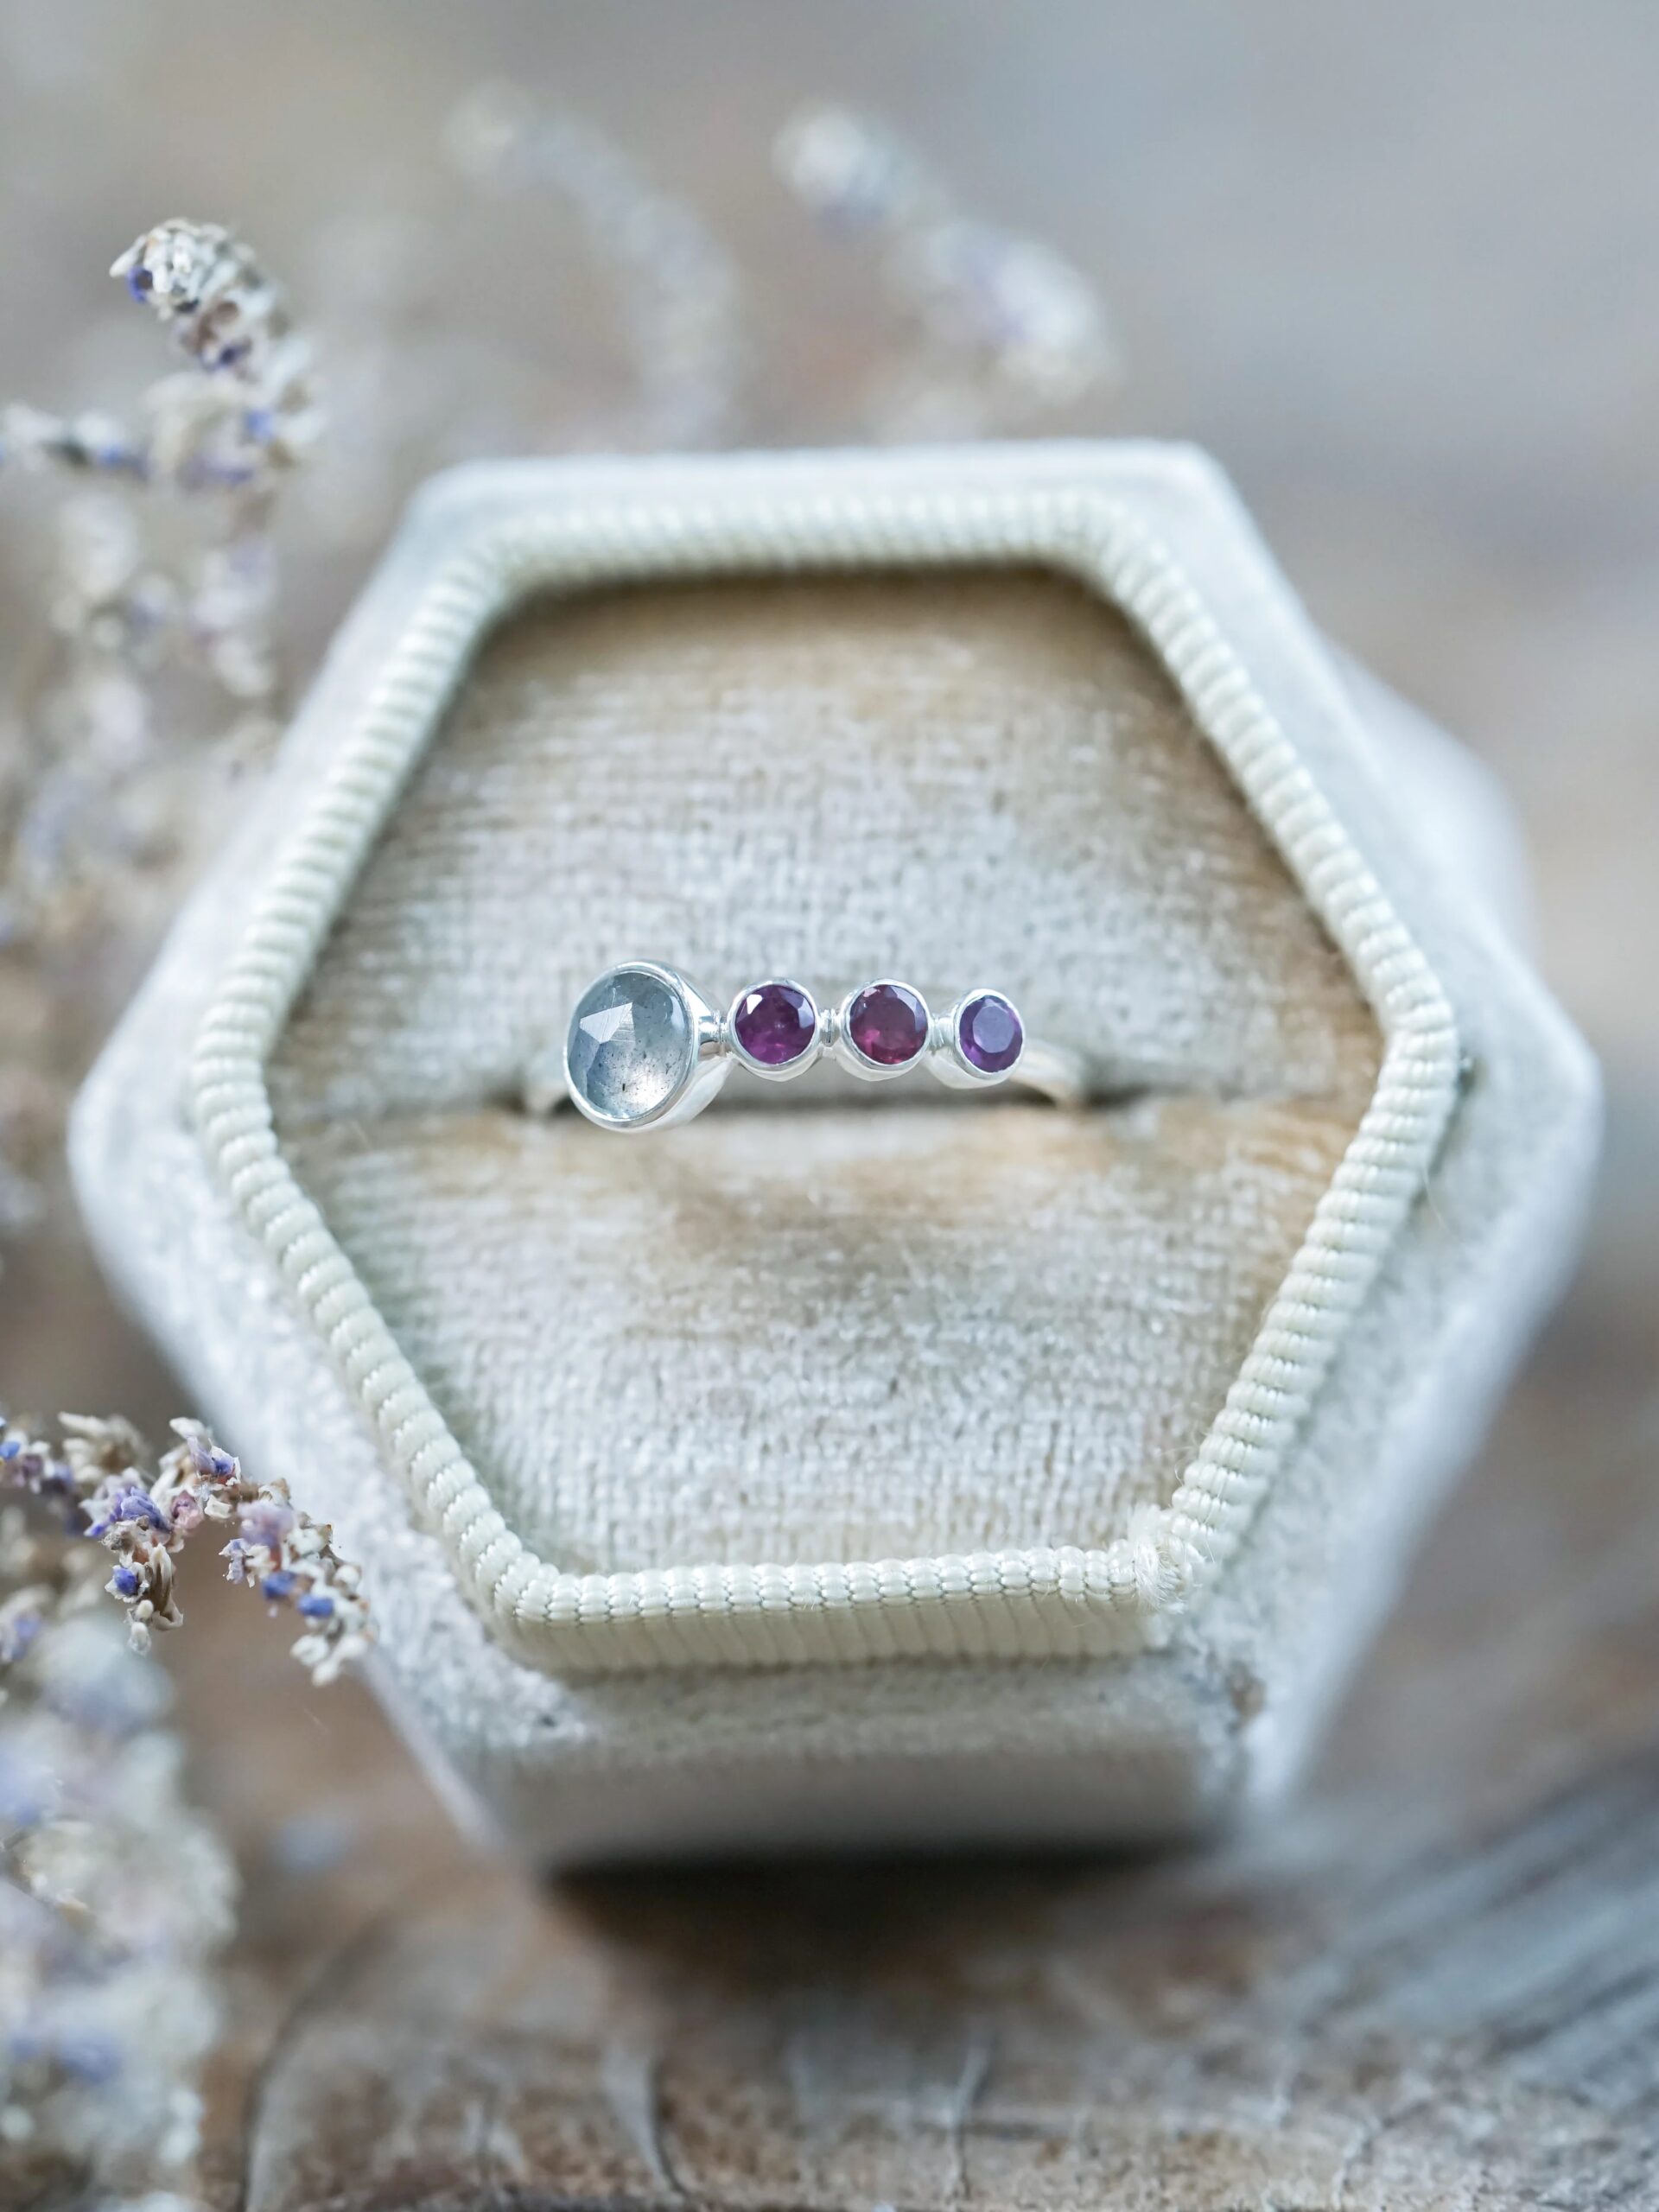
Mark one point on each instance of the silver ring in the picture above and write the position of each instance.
(644, 1049)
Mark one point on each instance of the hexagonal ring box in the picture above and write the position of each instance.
(898, 1468)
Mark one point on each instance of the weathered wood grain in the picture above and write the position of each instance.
(1430, 2025)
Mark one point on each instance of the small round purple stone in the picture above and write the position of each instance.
(887, 1024)
(990, 1033)
(774, 1023)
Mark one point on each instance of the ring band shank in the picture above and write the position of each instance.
(1053, 1071)
(644, 1049)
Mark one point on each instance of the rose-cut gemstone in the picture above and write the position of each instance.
(887, 1023)
(631, 1045)
(990, 1033)
(775, 1023)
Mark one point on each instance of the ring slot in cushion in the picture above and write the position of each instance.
(893, 1329)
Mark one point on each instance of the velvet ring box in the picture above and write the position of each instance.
(852, 1471)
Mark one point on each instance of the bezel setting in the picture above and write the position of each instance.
(700, 1073)
(714, 1043)
(861, 1063)
(948, 1060)
(797, 1063)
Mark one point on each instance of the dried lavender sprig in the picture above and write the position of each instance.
(235, 428)
(100, 1477)
(677, 286)
(1004, 320)
(29, 437)
(209, 287)
(852, 173)
(256, 412)
(103, 802)
(114, 1892)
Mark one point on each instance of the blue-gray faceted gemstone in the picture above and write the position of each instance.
(630, 1047)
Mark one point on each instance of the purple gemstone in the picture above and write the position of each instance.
(990, 1033)
(887, 1024)
(774, 1023)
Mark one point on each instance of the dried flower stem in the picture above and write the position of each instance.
(101, 796)
(100, 1479)
(115, 1894)
(1005, 326)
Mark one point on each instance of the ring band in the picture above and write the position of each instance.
(644, 1049)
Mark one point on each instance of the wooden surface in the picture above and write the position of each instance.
(1398, 267)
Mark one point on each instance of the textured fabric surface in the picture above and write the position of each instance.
(837, 1336)
(1159, 1742)
(962, 779)
(794, 1331)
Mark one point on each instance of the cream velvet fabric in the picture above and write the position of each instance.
(492, 896)
(904, 1323)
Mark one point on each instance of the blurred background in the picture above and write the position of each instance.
(1397, 268)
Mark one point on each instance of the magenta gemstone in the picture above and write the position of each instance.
(990, 1033)
(887, 1024)
(774, 1023)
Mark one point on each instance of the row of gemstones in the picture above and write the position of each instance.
(887, 1024)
